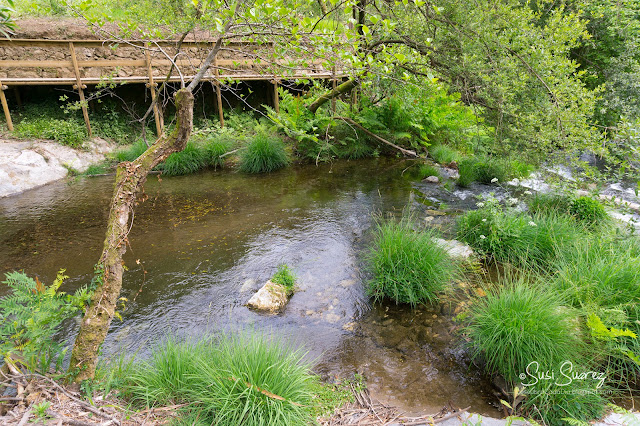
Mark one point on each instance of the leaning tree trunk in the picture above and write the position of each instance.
(130, 179)
(345, 87)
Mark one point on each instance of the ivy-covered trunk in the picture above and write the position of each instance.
(130, 178)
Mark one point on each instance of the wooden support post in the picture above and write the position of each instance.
(83, 102)
(216, 72)
(16, 92)
(276, 97)
(5, 107)
(152, 86)
(334, 85)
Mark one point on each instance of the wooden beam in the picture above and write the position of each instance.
(5, 107)
(276, 96)
(152, 87)
(69, 81)
(127, 43)
(83, 102)
(218, 90)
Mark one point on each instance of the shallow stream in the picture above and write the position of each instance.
(202, 244)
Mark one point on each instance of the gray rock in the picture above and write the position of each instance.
(455, 248)
(432, 179)
(271, 298)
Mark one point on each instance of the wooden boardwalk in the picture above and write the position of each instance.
(82, 63)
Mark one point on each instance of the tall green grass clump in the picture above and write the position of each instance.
(555, 203)
(217, 146)
(246, 379)
(513, 237)
(191, 159)
(519, 324)
(264, 153)
(586, 210)
(443, 154)
(491, 170)
(603, 279)
(407, 266)
(130, 153)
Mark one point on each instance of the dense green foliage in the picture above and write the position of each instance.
(407, 266)
(71, 132)
(588, 210)
(517, 238)
(263, 153)
(31, 315)
(243, 379)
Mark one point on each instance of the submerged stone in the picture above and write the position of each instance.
(270, 298)
(432, 179)
(455, 248)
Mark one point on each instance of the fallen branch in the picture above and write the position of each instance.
(83, 404)
(373, 135)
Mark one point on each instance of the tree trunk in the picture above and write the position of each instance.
(345, 87)
(130, 178)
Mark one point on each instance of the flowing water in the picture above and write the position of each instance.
(202, 244)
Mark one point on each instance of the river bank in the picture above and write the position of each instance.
(25, 165)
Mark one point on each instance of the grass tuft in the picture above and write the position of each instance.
(264, 153)
(191, 159)
(246, 379)
(517, 238)
(519, 324)
(443, 154)
(408, 267)
(285, 277)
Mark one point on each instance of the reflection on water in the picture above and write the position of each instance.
(206, 242)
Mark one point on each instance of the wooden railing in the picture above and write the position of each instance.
(238, 65)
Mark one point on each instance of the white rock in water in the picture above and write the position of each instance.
(248, 285)
(455, 248)
(432, 179)
(271, 297)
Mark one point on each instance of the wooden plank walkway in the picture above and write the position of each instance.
(31, 62)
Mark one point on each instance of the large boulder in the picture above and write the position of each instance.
(271, 298)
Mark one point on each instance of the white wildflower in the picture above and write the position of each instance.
(527, 192)
(513, 201)
(481, 205)
(531, 223)
(494, 180)
(482, 237)
(484, 220)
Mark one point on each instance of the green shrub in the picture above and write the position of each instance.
(285, 277)
(31, 315)
(191, 159)
(97, 169)
(588, 210)
(264, 153)
(518, 324)
(245, 379)
(443, 154)
(70, 132)
(517, 238)
(407, 266)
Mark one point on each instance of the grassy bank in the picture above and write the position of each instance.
(245, 378)
(567, 301)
